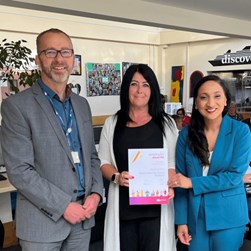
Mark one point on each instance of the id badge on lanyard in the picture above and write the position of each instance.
(75, 157)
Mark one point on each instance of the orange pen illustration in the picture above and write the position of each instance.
(136, 157)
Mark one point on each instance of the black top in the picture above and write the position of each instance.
(146, 136)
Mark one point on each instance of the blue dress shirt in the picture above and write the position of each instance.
(66, 118)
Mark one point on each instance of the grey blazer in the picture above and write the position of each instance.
(39, 163)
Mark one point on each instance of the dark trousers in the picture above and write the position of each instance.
(181, 247)
(1, 235)
(140, 234)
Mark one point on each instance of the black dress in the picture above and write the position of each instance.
(146, 136)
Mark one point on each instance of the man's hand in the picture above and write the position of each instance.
(74, 213)
(90, 205)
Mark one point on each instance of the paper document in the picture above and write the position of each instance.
(150, 170)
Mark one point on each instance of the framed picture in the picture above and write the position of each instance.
(77, 66)
(103, 79)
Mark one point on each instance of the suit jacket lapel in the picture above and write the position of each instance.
(225, 131)
(49, 113)
(80, 118)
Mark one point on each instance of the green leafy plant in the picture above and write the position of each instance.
(16, 64)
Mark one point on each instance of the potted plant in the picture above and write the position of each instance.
(16, 65)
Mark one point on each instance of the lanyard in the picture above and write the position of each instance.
(67, 128)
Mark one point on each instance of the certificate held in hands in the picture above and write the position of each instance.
(150, 170)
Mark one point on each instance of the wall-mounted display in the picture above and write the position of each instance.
(233, 58)
(103, 79)
(77, 66)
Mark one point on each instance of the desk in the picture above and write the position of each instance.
(5, 200)
(246, 115)
(99, 120)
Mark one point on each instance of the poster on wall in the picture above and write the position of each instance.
(177, 84)
(103, 79)
(77, 65)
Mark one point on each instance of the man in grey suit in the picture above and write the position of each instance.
(50, 155)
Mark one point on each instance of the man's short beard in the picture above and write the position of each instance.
(62, 78)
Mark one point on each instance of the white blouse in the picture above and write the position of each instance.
(206, 168)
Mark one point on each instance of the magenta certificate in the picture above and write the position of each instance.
(150, 170)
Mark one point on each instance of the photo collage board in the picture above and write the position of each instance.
(104, 79)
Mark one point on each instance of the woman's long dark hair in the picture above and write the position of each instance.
(155, 106)
(196, 136)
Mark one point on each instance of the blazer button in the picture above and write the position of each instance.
(75, 191)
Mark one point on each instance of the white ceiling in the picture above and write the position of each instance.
(239, 9)
(216, 17)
